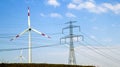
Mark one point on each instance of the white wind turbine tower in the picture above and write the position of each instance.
(21, 57)
(29, 29)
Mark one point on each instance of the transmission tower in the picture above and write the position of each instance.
(72, 59)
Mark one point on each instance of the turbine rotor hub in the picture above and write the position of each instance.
(29, 29)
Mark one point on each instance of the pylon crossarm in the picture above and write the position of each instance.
(76, 27)
(64, 29)
(71, 22)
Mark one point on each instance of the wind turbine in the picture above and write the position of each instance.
(29, 29)
(21, 57)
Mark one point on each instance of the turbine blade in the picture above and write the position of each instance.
(28, 17)
(41, 33)
(19, 35)
(23, 58)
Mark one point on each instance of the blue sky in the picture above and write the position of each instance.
(98, 19)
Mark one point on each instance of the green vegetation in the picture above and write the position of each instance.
(38, 65)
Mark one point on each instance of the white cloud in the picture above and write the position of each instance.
(54, 3)
(42, 15)
(72, 6)
(77, 1)
(88, 5)
(114, 8)
(70, 15)
(91, 6)
(55, 15)
(52, 15)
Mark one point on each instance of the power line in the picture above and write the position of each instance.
(14, 49)
(100, 43)
(101, 53)
(90, 57)
(11, 35)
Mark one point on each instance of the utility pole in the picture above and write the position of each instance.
(72, 59)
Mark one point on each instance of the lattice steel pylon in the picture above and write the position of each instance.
(72, 59)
